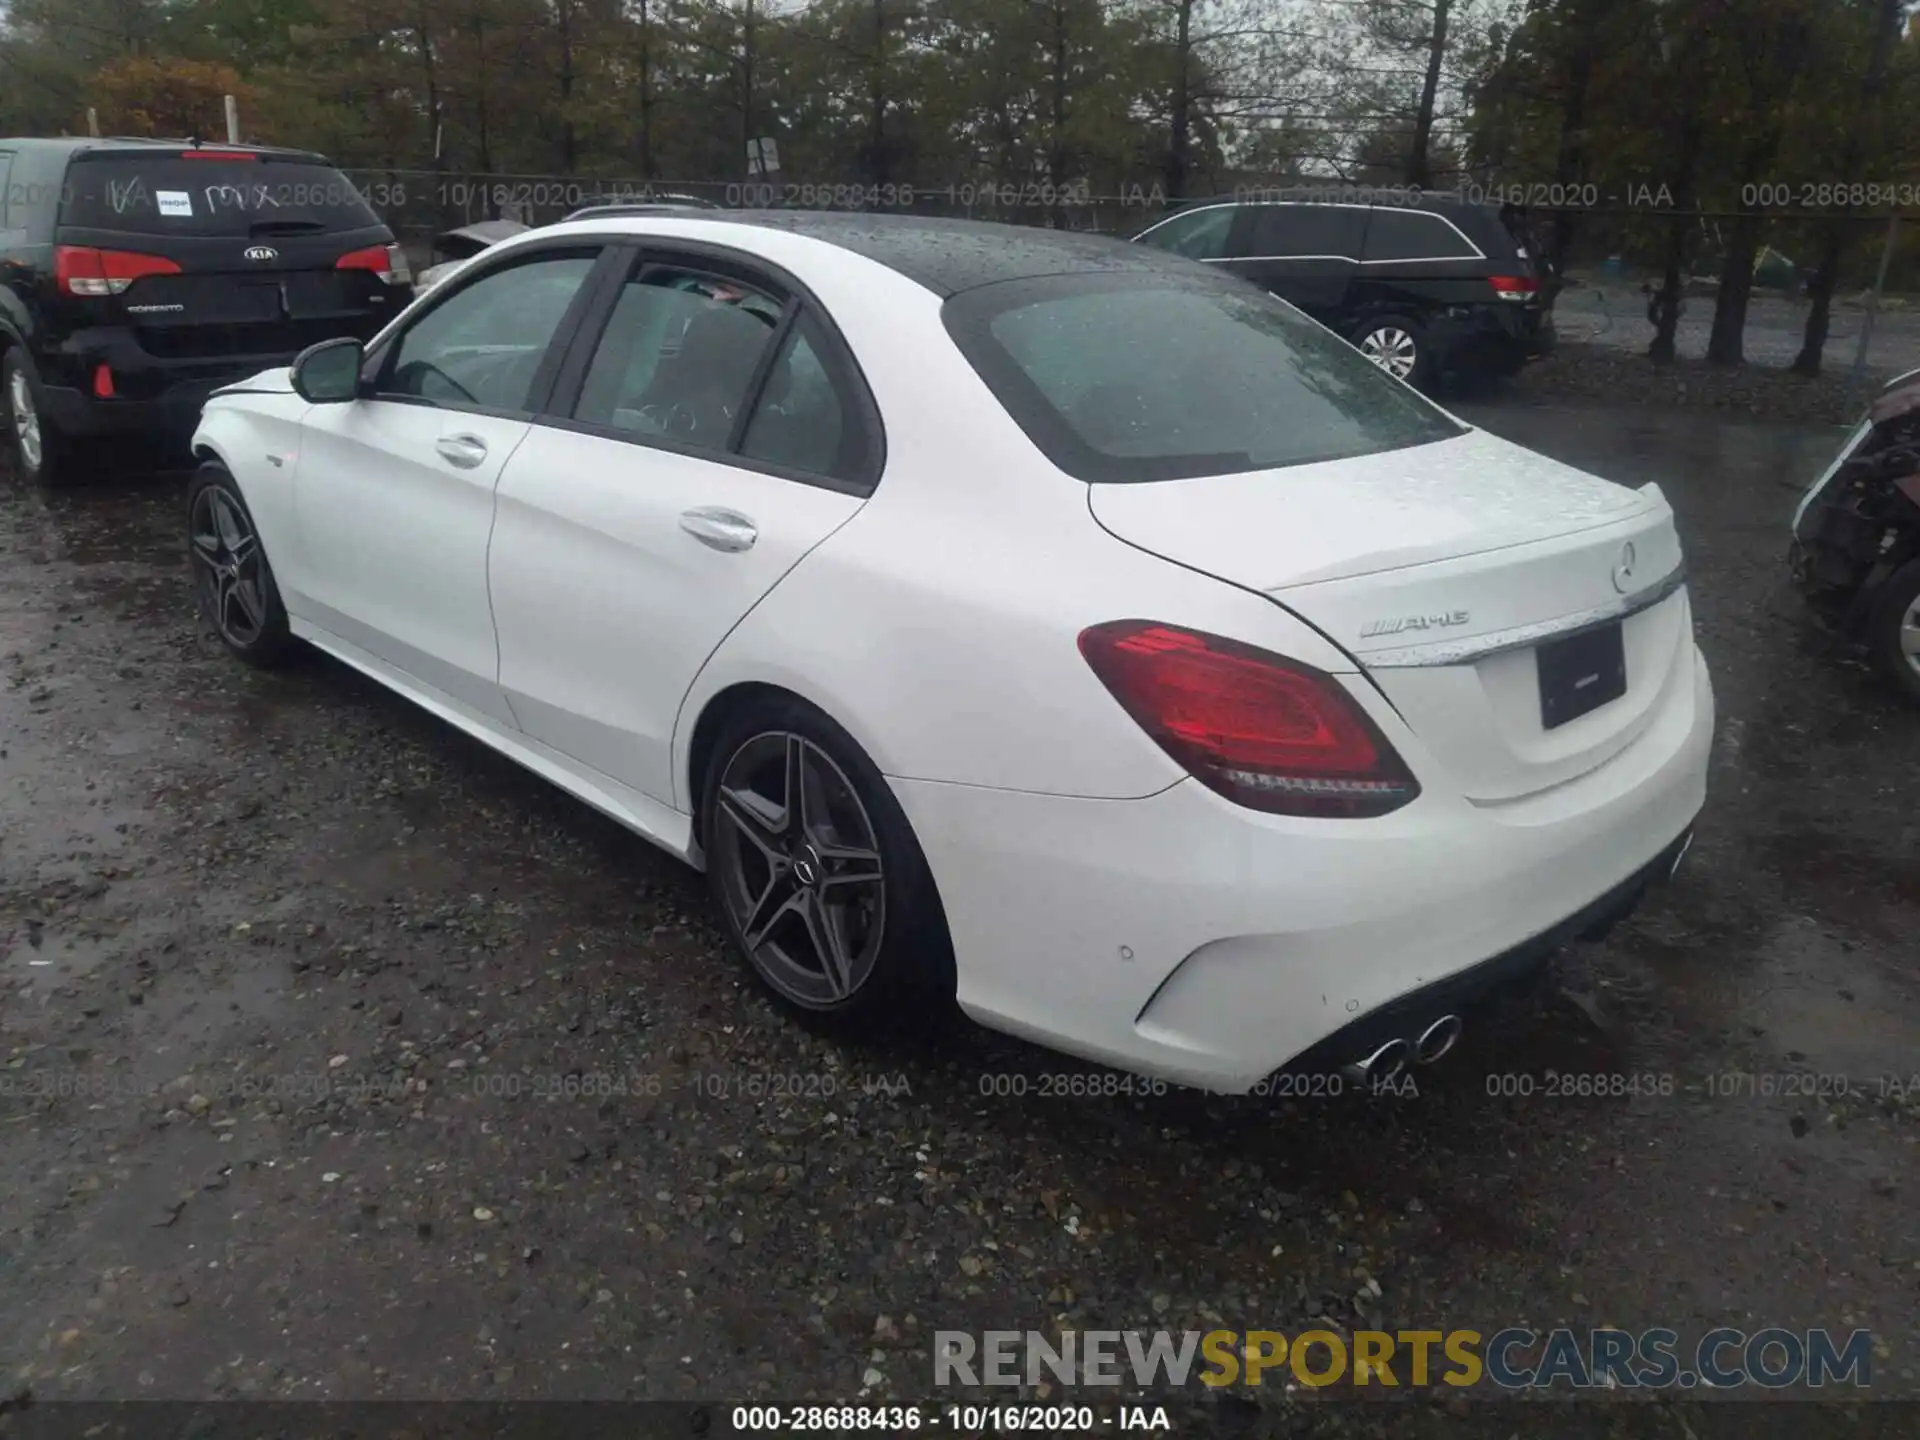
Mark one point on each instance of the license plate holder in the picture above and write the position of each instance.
(1581, 673)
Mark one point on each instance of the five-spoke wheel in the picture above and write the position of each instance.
(232, 579)
(800, 868)
(816, 871)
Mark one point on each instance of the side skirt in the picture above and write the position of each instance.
(652, 821)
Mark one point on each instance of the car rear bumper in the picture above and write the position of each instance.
(151, 393)
(174, 413)
(1494, 340)
(1189, 938)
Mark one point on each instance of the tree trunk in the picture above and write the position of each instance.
(1570, 166)
(1833, 242)
(1686, 161)
(481, 117)
(646, 92)
(569, 141)
(1667, 305)
(1783, 61)
(746, 86)
(877, 98)
(1057, 155)
(1180, 130)
(436, 118)
(1724, 346)
(1419, 165)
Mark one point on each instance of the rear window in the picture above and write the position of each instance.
(169, 195)
(1136, 377)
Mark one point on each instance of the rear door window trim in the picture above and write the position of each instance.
(849, 381)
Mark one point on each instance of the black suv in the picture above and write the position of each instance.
(138, 275)
(1425, 287)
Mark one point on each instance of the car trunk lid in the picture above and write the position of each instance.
(1452, 573)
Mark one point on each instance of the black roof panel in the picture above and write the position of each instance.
(948, 256)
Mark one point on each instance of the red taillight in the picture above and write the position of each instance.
(103, 382)
(1514, 287)
(1265, 732)
(82, 270)
(377, 258)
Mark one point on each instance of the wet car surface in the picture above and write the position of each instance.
(342, 1059)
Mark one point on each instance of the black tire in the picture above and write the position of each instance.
(41, 454)
(1893, 631)
(893, 967)
(1397, 344)
(232, 579)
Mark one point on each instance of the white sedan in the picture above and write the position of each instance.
(998, 616)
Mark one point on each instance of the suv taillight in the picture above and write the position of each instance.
(1514, 287)
(82, 270)
(1265, 732)
(389, 262)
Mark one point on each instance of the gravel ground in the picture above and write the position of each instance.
(1597, 374)
(342, 1060)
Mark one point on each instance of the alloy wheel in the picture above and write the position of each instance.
(26, 420)
(1392, 349)
(1910, 635)
(799, 867)
(229, 568)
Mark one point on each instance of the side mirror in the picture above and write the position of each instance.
(329, 373)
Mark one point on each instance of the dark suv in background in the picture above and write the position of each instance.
(1425, 288)
(138, 275)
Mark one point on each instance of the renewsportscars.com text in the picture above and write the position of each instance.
(1511, 1359)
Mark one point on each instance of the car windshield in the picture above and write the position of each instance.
(167, 194)
(1154, 376)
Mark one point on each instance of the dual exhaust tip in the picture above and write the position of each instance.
(1391, 1060)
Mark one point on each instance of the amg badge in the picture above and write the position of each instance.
(1446, 619)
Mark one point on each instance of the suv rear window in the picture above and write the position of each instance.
(1134, 376)
(170, 195)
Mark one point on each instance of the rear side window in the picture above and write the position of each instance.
(1133, 377)
(802, 421)
(678, 357)
(680, 360)
(1415, 235)
(6, 173)
(1198, 235)
(172, 195)
(1306, 232)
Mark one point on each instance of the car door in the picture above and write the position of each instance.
(713, 433)
(394, 492)
(1304, 253)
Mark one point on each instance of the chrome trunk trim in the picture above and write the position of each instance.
(1470, 650)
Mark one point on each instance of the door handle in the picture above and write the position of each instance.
(466, 451)
(722, 529)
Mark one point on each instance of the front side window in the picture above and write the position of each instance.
(1198, 235)
(483, 344)
(1138, 377)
